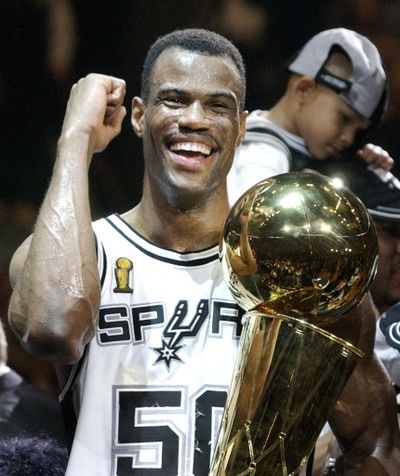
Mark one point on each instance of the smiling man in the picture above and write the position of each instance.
(140, 305)
(133, 309)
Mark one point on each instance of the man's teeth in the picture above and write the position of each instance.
(191, 147)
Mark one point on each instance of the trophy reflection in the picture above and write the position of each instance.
(298, 252)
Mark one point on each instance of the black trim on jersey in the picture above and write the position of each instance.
(310, 463)
(299, 160)
(104, 261)
(68, 413)
(96, 244)
(104, 266)
(104, 270)
(194, 262)
(70, 420)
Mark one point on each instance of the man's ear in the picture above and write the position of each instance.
(242, 127)
(137, 116)
(304, 86)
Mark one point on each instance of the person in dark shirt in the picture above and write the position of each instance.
(26, 410)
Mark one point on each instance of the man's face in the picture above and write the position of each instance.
(191, 123)
(385, 289)
(327, 124)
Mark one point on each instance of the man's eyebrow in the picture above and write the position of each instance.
(224, 94)
(168, 90)
(215, 95)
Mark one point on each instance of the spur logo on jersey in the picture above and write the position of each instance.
(123, 267)
(176, 330)
(123, 324)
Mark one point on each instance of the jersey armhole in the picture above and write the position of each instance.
(67, 398)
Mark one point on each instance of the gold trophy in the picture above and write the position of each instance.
(298, 251)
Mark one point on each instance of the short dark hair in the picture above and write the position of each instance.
(32, 456)
(197, 40)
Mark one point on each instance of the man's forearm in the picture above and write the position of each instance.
(56, 292)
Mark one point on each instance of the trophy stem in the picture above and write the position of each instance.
(288, 375)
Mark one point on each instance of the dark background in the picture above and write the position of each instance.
(112, 38)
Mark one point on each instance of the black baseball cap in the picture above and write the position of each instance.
(377, 188)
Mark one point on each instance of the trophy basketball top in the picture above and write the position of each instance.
(300, 245)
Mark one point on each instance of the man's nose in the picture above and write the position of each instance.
(193, 116)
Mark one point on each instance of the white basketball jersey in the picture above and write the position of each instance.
(150, 390)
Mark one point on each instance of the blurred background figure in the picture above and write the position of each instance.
(26, 410)
(379, 190)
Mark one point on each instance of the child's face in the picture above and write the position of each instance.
(327, 124)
